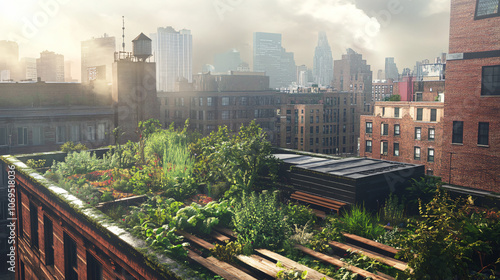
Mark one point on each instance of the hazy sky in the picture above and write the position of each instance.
(408, 30)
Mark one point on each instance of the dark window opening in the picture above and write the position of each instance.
(34, 225)
(458, 132)
(483, 133)
(70, 258)
(94, 268)
(48, 240)
(433, 115)
(490, 84)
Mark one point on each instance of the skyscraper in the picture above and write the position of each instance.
(27, 69)
(391, 70)
(50, 67)
(227, 61)
(323, 61)
(270, 57)
(9, 56)
(174, 57)
(97, 58)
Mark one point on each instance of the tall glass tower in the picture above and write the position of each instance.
(174, 57)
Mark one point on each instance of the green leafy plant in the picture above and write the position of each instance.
(393, 212)
(202, 219)
(36, 163)
(357, 220)
(261, 220)
(421, 190)
(298, 214)
(290, 274)
(451, 239)
(228, 251)
(71, 147)
(107, 196)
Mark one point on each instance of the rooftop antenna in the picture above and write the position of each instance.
(123, 34)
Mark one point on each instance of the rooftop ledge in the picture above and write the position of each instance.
(93, 215)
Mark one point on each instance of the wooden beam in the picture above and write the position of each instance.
(290, 264)
(226, 231)
(231, 269)
(261, 264)
(217, 269)
(338, 263)
(372, 243)
(373, 255)
(196, 240)
(220, 237)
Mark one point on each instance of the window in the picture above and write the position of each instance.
(368, 148)
(225, 114)
(74, 133)
(301, 130)
(70, 258)
(311, 129)
(396, 112)
(397, 131)
(317, 129)
(458, 132)
(20, 215)
(201, 101)
(418, 133)
(396, 149)
(301, 119)
(483, 132)
(225, 101)
(383, 111)
(60, 134)
(420, 112)
(34, 225)
(433, 115)
(101, 131)
(94, 268)
(384, 147)
(311, 119)
(490, 84)
(486, 8)
(3, 136)
(37, 135)
(369, 127)
(385, 129)
(430, 155)
(90, 133)
(311, 141)
(48, 240)
(22, 136)
(431, 134)
(209, 101)
(416, 153)
(317, 119)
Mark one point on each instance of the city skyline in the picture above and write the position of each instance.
(377, 29)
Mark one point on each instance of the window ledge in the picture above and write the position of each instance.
(458, 144)
(483, 146)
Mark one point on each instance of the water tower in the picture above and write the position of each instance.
(142, 47)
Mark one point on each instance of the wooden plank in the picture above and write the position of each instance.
(316, 202)
(290, 264)
(214, 268)
(372, 243)
(226, 231)
(196, 240)
(261, 264)
(230, 269)
(338, 263)
(220, 237)
(329, 200)
(319, 213)
(373, 255)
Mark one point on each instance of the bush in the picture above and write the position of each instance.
(261, 221)
(71, 147)
(298, 214)
(392, 212)
(361, 222)
(452, 241)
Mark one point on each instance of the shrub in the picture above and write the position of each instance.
(35, 163)
(357, 220)
(71, 147)
(298, 214)
(260, 220)
(228, 251)
(392, 212)
(444, 242)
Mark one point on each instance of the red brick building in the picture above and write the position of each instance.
(471, 155)
(409, 132)
(59, 237)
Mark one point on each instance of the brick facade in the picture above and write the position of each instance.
(407, 139)
(469, 163)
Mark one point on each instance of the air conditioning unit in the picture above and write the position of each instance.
(384, 154)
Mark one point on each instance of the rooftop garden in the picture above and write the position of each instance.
(219, 197)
